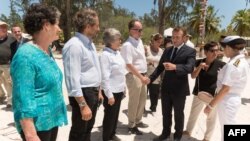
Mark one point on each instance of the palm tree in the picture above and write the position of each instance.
(194, 20)
(241, 22)
(212, 22)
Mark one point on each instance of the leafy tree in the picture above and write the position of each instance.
(172, 12)
(241, 22)
(212, 22)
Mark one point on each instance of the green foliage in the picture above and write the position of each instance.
(241, 22)
(173, 13)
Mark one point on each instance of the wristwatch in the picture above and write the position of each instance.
(82, 104)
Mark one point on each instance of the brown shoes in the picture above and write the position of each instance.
(186, 133)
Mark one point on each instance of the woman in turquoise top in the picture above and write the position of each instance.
(38, 103)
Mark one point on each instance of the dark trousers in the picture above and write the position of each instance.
(111, 114)
(49, 135)
(81, 129)
(169, 101)
(154, 91)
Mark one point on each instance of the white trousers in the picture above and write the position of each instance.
(196, 109)
(227, 110)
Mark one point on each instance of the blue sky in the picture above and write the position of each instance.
(226, 8)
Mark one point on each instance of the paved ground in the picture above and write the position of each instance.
(9, 133)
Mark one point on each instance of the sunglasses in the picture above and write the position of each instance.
(213, 50)
(138, 30)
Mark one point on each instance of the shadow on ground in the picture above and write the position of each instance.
(245, 101)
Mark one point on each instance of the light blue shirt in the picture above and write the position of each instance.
(37, 89)
(113, 72)
(81, 65)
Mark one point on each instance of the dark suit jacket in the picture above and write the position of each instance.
(14, 46)
(176, 82)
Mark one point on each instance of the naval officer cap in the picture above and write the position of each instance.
(235, 42)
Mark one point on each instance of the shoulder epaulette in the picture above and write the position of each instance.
(236, 63)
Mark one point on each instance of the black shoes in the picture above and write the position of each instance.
(2, 99)
(8, 106)
(153, 109)
(141, 125)
(161, 137)
(134, 130)
(115, 138)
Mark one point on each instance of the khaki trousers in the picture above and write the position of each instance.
(137, 99)
(5, 81)
(196, 109)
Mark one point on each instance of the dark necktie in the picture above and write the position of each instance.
(174, 53)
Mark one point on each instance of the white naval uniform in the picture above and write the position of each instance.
(234, 74)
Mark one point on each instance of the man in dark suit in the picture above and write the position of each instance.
(177, 62)
(17, 33)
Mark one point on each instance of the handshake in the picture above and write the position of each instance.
(145, 80)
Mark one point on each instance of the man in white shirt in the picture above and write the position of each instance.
(82, 74)
(134, 55)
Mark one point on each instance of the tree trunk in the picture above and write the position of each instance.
(161, 5)
(67, 26)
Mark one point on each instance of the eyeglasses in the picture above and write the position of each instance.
(213, 50)
(16, 31)
(138, 30)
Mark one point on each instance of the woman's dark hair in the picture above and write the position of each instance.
(37, 15)
(210, 45)
(83, 18)
(238, 44)
(167, 40)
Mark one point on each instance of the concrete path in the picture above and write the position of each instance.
(9, 133)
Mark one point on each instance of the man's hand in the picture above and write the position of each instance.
(203, 66)
(86, 113)
(111, 101)
(145, 80)
(169, 66)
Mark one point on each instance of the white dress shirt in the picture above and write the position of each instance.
(133, 52)
(113, 72)
(81, 65)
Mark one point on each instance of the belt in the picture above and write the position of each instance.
(140, 73)
(92, 88)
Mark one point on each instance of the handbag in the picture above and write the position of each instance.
(205, 96)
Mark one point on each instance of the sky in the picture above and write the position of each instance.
(139, 7)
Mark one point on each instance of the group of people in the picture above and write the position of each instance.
(38, 103)
(9, 43)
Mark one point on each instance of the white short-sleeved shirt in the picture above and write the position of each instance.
(133, 52)
(234, 74)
